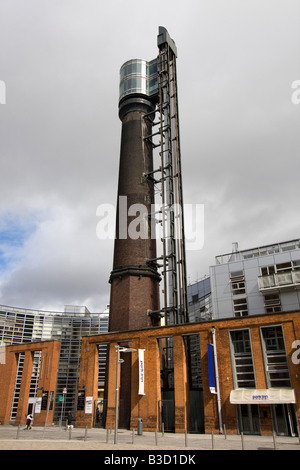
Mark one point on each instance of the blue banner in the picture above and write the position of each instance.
(211, 371)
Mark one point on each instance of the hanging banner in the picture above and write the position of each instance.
(38, 405)
(211, 371)
(2, 352)
(88, 405)
(141, 372)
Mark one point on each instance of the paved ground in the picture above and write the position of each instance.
(55, 438)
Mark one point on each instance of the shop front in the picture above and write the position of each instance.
(254, 405)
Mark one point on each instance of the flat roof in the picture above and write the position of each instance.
(264, 250)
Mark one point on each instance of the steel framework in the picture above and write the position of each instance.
(175, 305)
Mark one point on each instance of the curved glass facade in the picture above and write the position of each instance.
(138, 76)
(18, 325)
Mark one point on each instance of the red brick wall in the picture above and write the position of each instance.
(131, 297)
(146, 407)
(134, 283)
(47, 379)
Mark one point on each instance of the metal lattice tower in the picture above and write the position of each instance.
(175, 306)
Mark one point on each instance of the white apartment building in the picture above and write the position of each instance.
(260, 280)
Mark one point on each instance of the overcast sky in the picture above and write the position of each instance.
(60, 132)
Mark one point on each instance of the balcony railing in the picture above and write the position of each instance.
(279, 281)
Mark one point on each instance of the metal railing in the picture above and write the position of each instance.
(279, 280)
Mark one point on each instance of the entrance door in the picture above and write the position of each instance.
(31, 406)
(167, 414)
(30, 410)
(248, 419)
(284, 419)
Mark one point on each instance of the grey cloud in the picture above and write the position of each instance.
(60, 131)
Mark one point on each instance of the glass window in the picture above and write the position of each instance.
(240, 307)
(296, 264)
(243, 368)
(152, 67)
(276, 364)
(272, 303)
(138, 76)
(153, 85)
(236, 274)
(237, 279)
(238, 288)
(283, 267)
(267, 270)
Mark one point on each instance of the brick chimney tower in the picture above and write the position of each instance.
(134, 279)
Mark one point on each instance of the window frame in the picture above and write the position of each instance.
(233, 356)
(268, 365)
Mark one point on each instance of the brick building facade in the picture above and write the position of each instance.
(15, 382)
(232, 415)
(265, 415)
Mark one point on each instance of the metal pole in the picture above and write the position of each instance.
(61, 411)
(274, 440)
(117, 397)
(48, 407)
(213, 331)
(63, 406)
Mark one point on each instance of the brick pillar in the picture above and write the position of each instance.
(88, 380)
(24, 389)
(229, 414)
(294, 362)
(258, 359)
(209, 399)
(146, 406)
(111, 385)
(47, 379)
(180, 384)
(8, 372)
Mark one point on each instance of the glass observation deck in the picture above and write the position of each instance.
(138, 76)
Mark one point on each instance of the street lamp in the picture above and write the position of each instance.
(120, 349)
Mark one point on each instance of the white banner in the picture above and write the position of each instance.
(88, 405)
(141, 372)
(2, 352)
(38, 405)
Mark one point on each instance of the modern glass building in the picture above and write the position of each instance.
(137, 76)
(200, 300)
(18, 325)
